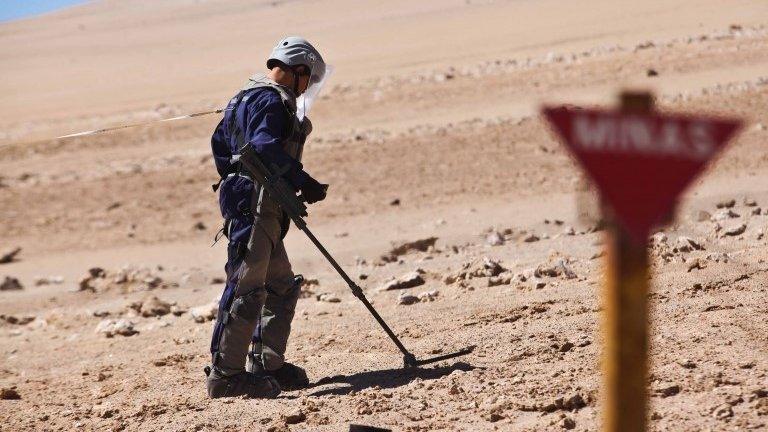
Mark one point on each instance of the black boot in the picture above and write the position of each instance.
(289, 376)
(241, 384)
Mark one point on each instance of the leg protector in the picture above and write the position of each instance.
(271, 337)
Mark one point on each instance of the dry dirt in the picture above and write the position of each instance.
(434, 108)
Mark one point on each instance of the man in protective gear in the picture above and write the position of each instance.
(261, 290)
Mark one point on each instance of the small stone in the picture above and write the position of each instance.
(48, 280)
(695, 264)
(749, 202)
(574, 402)
(531, 238)
(687, 364)
(651, 72)
(502, 279)
(723, 214)
(11, 284)
(294, 417)
(567, 423)
(703, 216)
(727, 203)
(722, 412)
(756, 211)
(429, 296)
(111, 328)
(208, 312)
(408, 280)
(566, 347)
(153, 306)
(199, 226)
(9, 255)
(328, 298)
(668, 391)
(735, 230)
(9, 394)
(494, 417)
(687, 244)
(494, 239)
(659, 238)
(217, 280)
(395, 202)
(407, 299)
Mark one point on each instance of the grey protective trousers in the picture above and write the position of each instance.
(265, 299)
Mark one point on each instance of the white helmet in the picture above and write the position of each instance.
(295, 51)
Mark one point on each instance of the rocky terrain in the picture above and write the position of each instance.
(452, 205)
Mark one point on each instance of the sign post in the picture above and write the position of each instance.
(640, 162)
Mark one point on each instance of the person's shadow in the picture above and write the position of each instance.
(387, 378)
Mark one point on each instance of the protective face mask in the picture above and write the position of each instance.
(305, 101)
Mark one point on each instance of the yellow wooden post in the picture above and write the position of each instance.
(625, 363)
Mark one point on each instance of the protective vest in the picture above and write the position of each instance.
(240, 199)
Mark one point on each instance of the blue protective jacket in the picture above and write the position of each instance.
(265, 124)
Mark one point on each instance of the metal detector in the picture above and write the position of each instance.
(277, 188)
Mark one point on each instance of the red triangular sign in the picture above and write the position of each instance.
(640, 163)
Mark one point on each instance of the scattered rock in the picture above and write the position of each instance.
(294, 417)
(199, 226)
(111, 328)
(484, 267)
(651, 72)
(574, 403)
(696, 264)
(207, 312)
(530, 238)
(9, 394)
(723, 214)
(494, 417)
(718, 257)
(397, 250)
(11, 284)
(687, 364)
(687, 244)
(728, 203)
(395, 202)
(328, 298)
(48, 280)
(217, 280)
(735, 230)
(502, 279)
(722, 412)
(703, 216)
(9, 255)
(557, 268)
(17, 320)
(429, 296)
(408, 280)
(668, 391)
(153, 306)
(566, 347)
(567, 423)
(749, 202)
(756, 211)
(494, 239)
(407, 299)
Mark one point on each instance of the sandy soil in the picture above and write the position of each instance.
(435, 106)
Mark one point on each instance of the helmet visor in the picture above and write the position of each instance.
(307, 99)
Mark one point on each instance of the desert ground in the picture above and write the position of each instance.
(442, 176)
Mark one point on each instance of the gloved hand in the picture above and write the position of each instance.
(313, 191)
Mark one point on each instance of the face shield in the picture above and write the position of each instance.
(310, 95)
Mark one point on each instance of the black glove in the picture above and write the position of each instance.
(313, 191)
